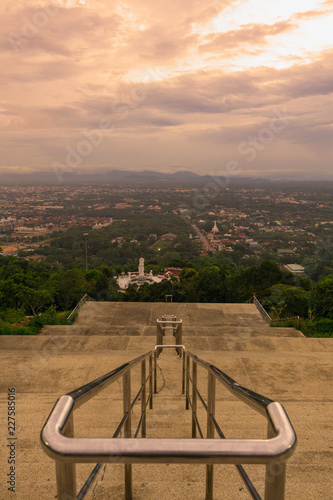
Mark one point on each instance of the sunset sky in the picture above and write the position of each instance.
(95, 85)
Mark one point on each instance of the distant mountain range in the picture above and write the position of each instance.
(113, 177)
(147, 178)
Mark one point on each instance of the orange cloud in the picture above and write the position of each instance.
(310, 14)
(177, 89)
(250, 34)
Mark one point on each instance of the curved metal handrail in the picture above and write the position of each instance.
(151, 450)
(58, 441)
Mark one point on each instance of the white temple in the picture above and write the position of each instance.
(140, 277)
(215, 228)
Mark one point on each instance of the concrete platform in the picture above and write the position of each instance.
(278, 363)
(145, 313)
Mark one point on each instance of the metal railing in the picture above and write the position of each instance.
(169, 322)
(59, 443)
(240, 451)
(78, 306)
(60, 427)
(262, 310)
(271, 320)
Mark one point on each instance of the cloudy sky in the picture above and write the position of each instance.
(241, 86)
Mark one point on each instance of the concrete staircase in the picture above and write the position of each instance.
(279, 363)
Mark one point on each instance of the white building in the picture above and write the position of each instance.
(139, 278)
(7, 225)
(215, 229)
(295, 269)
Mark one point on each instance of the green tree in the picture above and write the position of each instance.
(321, 301)
(69, 287)
(211, 285)
(188, 286)
(34, 300)
(238, 285)
(288, 300)
(265, 276)
(8, 291)
(131, 294)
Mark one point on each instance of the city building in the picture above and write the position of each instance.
(295, 269)
(7, 225)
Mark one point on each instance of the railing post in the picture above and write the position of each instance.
(151, 382)
(187, 379)
(155, 372)
(143, 398)
(210, 433)
(65, 472)
(159, 336)
(127, 431)
(179, 338)
(184, 371)
(194, 398)
(275, 479)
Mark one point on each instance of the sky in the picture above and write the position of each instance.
(243, 87)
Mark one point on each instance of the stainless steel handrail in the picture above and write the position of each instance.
(60, 423)
(275, 469)
(58, 441)
(78, 306)
(262, 310)
(268, 318)
(253, 399)
(169, 321)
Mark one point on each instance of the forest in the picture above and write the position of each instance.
(35, 293)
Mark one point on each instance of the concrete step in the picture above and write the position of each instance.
(145, 314)
(179, 482)
(98, 330)
(150, 331)
(170, 481)
(278, 363)
(45, 346)
(302, 381)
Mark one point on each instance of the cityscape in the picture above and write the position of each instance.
(288, 224)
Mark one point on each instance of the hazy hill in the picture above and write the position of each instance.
(153, 179)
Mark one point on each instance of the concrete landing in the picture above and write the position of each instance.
(145, 314)
(150, 331)
(278, 363)
(199, 320)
